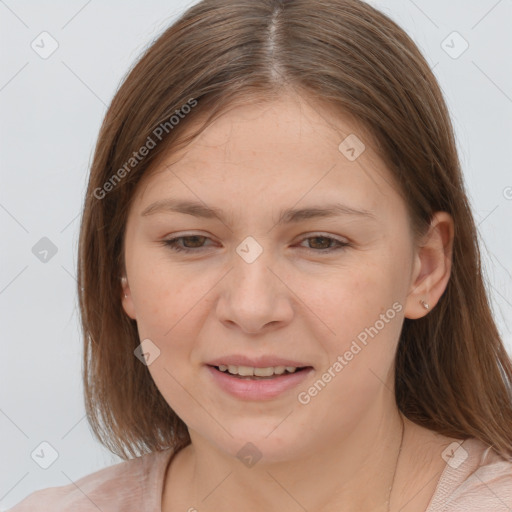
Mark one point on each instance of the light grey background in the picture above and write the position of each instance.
(51, 111)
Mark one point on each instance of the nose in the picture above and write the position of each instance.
(255, 297)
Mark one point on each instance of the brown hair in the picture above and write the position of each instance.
(452, 372)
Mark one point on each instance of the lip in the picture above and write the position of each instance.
(256, 362)
(253, 389)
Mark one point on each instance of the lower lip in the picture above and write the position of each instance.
(261, 389)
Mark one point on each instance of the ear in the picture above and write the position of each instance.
(126, 298)
(432, 266)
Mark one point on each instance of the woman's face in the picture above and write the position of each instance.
(264, 283)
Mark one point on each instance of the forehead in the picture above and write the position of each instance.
(284, 150)
(290, 126)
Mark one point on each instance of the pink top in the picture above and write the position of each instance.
(476, 479)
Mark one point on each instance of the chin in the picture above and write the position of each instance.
(255, 446)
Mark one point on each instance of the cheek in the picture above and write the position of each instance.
(165, 292)
(363, 310)
(173, 303)
(350, 298)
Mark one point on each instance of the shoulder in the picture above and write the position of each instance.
(475, 478)
(132, 485)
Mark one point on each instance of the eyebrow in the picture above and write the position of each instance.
(288, 216)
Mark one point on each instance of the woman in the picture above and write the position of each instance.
(279, 278)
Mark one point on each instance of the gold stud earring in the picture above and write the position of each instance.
(424, 304)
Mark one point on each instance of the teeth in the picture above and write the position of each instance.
(249, 371)
(260, 372)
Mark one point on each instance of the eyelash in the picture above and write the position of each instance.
(172, 243)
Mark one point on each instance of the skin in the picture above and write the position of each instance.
(292, 302)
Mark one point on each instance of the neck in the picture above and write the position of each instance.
(351, 473)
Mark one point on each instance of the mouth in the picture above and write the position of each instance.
(257, 377)
(259, 373)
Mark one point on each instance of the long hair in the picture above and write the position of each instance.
(453, 374)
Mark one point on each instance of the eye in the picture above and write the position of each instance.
(173, 243)
(324, 244)
(194, 243)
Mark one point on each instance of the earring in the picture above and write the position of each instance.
(123, 281)
(424, 304)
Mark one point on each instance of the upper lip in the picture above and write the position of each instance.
(256, 362)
